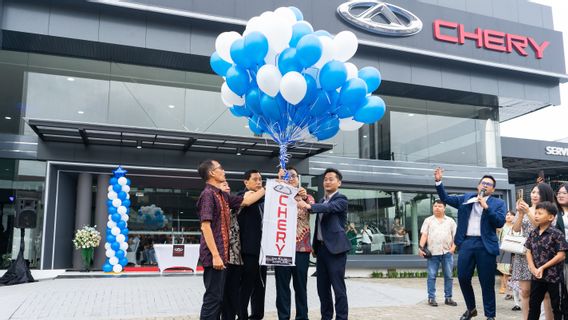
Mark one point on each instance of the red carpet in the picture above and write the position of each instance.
(155, 269)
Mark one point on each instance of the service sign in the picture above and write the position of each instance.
(278, 245)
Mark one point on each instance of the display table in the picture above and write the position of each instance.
(166, 259)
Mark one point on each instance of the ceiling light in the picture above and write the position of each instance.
(238, 151)
(80, 112)
(171, 106)
(365, 136)
(246, 126)
(8, 118)
(411, 114)
(70, 79)
(138, 145)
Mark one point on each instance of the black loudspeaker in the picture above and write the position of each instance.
(26, 213)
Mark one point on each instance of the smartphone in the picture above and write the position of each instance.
(520, 194)
(541, 175)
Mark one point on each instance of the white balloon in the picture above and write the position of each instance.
(110, 253)
(124, 217)
(120, 238)
(286, 14)
(117, 268)
(268, 79)
(122, 181)
(351, 71)
(107, 246)
(293, 87)
(113, 260)
(124, 246)
(126, 188)
(128, 196)
(115, 231)
(109, 188)
(326, 51)
(112, 195)
(116, 203)
(110, 217)
(111, 224)
(122, 210)
(229, 97)
(348, 124)
(223, 44)
(271, 57)
(344, 45)
(277, 30)
(252, 25)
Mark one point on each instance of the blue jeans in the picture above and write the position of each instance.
(447, 261)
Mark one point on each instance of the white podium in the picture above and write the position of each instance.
(166, 258)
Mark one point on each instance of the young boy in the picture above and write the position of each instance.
(545, 255)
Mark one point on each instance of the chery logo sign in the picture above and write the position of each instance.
(380, 17)
(454, 32)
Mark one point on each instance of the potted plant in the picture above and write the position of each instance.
(87, 239)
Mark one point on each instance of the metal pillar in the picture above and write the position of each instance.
(82, 210)
(101, 218)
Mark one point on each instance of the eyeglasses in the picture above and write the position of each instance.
(486, 184)
(292, 176)
(561, 193)
(217, 167)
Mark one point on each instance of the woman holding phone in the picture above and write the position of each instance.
(525, 223)
(562, 218)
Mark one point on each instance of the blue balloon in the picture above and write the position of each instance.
(373, 110)
(121, 224)
(297, 12)
(122, 195)
(108, 230)
(115, 246)
(327, 129)
(112, 210)
(270, 107)
(372, 78)
(127, 182)
(126, 203)
(116, 188)
(301, 115)
(115, 217)
(124, 231)
(332, 75)
(240, 111)
(287, 61)
(311, 92)
(256, 47)
(119, 254)
(252, 100)
(238, 80)
(113, 181)
(123, 262)
(343, 112)
(239, 54)
(353, 93)
(309, 50)
(218, 65)
(109, 204)
(325, 103)
(107, 267)
(255, 126)
(299, 29)
(324, 33)
(110, 238)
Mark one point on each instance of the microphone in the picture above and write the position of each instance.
(482, 192)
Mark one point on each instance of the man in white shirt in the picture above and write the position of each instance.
(438, 233)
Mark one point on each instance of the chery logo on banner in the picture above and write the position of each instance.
(454, 32)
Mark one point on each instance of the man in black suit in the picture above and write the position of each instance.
(331, 246)
(253, 276)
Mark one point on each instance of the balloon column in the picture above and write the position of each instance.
(292, 82)
(117, 226)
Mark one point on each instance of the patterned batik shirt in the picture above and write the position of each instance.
(440, 234)
(543, 248)
(214, 205)
(303, 228)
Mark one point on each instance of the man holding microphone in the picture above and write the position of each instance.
(479, 215)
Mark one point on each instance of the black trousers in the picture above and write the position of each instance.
(330, 270)
(253, 288)
(232, 293)
(299, 275)
(214, 281)
(538, 290)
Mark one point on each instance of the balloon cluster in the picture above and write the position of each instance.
(118, 204)
(153, 217)
(292, 82)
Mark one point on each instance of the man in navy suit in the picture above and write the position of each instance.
(331, 246)
(479, 214)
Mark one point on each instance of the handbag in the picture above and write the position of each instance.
(513, 244)
(427, 253)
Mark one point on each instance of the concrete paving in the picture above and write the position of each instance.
(179, 297)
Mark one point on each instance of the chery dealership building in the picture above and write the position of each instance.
(88, 85)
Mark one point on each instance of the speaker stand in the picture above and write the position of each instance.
(19, 271)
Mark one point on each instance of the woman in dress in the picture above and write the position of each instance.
(504, 259)
(562, 219)
(525, 223)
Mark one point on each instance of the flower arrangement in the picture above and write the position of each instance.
(87, 237)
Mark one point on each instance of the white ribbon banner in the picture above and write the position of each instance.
(279, 225)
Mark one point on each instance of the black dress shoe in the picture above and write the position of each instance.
(516, 308)
(469, 314)
(490, 318)
(450, 302)
(432, 302)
